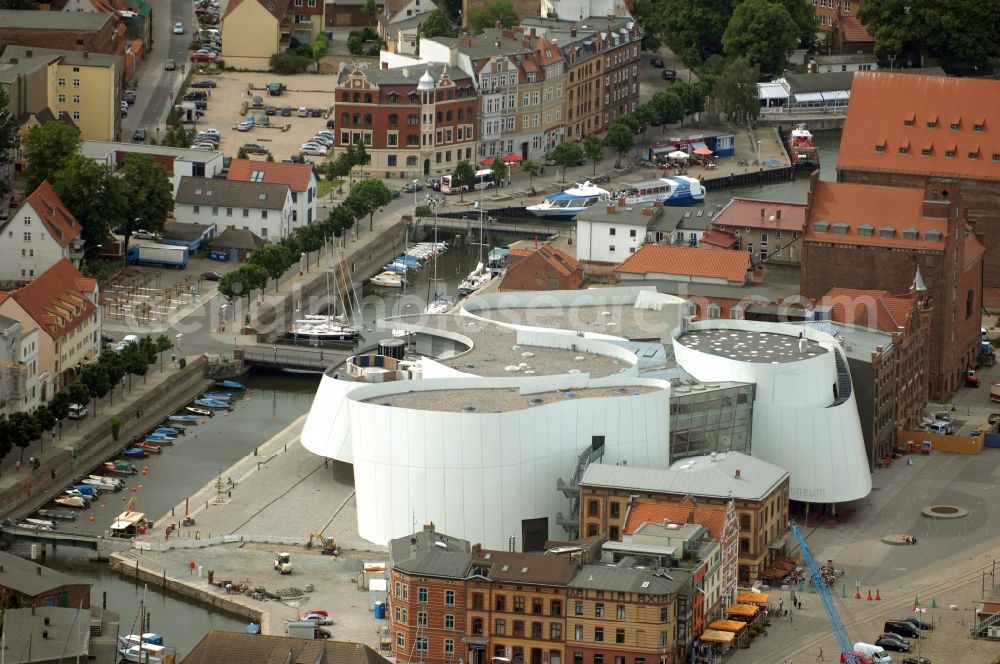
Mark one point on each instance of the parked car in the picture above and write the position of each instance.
(434, 183)
(204, 83)
(129, 96)
(211, 131)
(303, 112)
(143, 234)
(322, 140)
(901, 628)
(916, 660)
(286, 111)
(77, 411)
(891, 644)
(139, 135)
(192, 95)
(202, 57)
(170, 64)
(258, 102)
(254, 148)
(411, 187)
(316, 112)
(669, 75)
(897, 638)
(313, 149)
(657, 62)
(178, 28)
(917, 622)
(201, 104)
(270, 110)
(394, 193)
(210, 275)
(331, 123)
(316, 618)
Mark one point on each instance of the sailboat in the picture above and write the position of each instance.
(144, 647)
(440, 303)
(325, 328)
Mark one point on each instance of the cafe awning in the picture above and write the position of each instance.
(728, 625)
(748, 597)
(742, 610)
(774, 573)
(715, 636)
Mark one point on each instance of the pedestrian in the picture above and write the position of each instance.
(819, 656)
(229, 589)
(17, 466)
(781, 604)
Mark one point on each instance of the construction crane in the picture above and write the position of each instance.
(847, 652)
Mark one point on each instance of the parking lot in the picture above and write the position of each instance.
(230, 102)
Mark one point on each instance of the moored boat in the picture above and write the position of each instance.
(183, 419)
(152, 448)
(114, 482)
(476, 280)
(86, 490)
(41, 523)
(213, 403)
(129, 524)
(230, 385)
(565, 205)
(71, 501)
(27, 525)
(147, 653)
(387, 280)
(170, 431)
(135, 639)
(221, 396)
(98, 484)
(199, 411)
(155, 437)
(61, 515)
(328, 330)
(134, 452)
(674, 190)
(801, 150)
(120, 467)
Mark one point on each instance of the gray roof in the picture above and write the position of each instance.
(39, 20)
(101, 149)
(696, 476)
(485, 45)
(22, 576)
(430, 553)
(187, 232)
(7, 323)
(630, 579)
(238, 238)
(695, 219)
(751, 346)
(830, 82)
(69, 634)
(232, 193)
(66, 57)
(859, 343)
(403, 75)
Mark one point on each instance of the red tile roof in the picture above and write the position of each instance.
(852, 29)
(858, 206)
(716, 238)
(56, 217)
(873, 309)
(765, 215)
(725, 264)
(57, 299)
(917, 100)
(296, 176)
(714, 519)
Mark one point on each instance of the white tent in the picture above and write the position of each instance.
(677, 154)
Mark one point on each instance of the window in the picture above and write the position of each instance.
(518, 629)
(904, 149)
(599, 610)
(500, 626)
(555, 608)
(594, 506)
(555, 631)
(422, 619)
(974, 154)
(501, 602)
(537, 606)
(62, 99)
(518, 604)
(449, 598)
(449, 644)
(978, 125)
(449, 621)
(619, 636)
(263, 214)
(75, 115)
(76, 82)
(246, 215)
(578, 632)
(879, 149)
(391, 161)
(27, 237)
(421, 644)
(215, 210)
(400, 641)
(664, 614)
(477, 623)
(744, 545)
(536, 630)
(397, 614)
(611, 249)
(229, 212)
(263, 232)
(578, 609)
(422, 595)
(611, 231)
(61, 82)
(598, 636)
(620, 612)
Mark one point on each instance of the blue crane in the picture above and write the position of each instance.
(846, 649)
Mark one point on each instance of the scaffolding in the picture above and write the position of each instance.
(137, 297)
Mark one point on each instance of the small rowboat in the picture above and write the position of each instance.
(71, 501)
(134, 452)
(184, 419)
(230, 385)
(62, 515)
(170, 431)
(199, 411)
(161, 438)
(120, 467)
(212, 403)
(218, 396)
(150, 447)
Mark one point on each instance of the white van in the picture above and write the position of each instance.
(878, 655)
(126, 340)
(77, 411)
(940, 428)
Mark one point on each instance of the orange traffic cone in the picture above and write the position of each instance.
(857, 593)
(869, 595)
(878, 595)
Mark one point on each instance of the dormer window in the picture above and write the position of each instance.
(951, 151)
(933, 236)
(866, 230)
(911, 234)
(880, 146)
(927, 149)
(974, 153)
(887, 232)
(955, 124)
(904, 148)
(978, 124)
(840, 228)
(909, 120)
(821, 226)
(932, 123)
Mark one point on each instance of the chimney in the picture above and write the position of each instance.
(453, 55)
(621, 202)
(429, 527)
(647, 212)
(737, 473)
(498, 25)
(777, 215)
(533, 33)
(526, 42)
(466, 41)
(611, 209)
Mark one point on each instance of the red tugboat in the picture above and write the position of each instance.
(801, 149)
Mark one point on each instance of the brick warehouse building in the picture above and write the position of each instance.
(889, 238)
(92, 32)
(413, 121)
(936, 127)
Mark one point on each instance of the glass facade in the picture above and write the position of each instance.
(710, 417)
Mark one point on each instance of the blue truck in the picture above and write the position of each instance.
(160, 255)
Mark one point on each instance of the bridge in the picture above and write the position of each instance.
(467, 223)
(283, 358)
(53, 537)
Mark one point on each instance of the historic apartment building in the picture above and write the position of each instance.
(413, 121)
(450, 601)
(770, 231)
(937, 127)
(887, 238)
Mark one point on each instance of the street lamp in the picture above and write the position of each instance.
(177, 339)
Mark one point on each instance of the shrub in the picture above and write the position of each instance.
(287, 63)
(116, 428)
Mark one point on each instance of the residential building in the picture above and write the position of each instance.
(399, 27)
(67, 629)
(300, 178)
(936, 128)
(343, 13)
(86, 86)
(546, 268)
(617, 500)
(26, 584)
(887, 344)
(254, 30)
(307, 19)
(63, 306)
(520, 78)
(827, 64)
(222, 647)
(915, 231)
(19, 378)
(90, 31)
(767, 230)
(37, 235)
(691, 265)
(691, 225)
(848, 35)
(263, 208)
(238, 243)
(179, 162)
(611, 232)
(413, 121)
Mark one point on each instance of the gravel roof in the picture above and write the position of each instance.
(495, 347)
(615, 319)
(751, 346)
(498, 399)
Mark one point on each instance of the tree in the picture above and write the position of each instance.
(454, 9)
(804, 16)
(320, 46)
(241, 282)
(79, 394)
(148, 350)
(667, 107)
(593, 147)
(567, 154)
(463, 176)
(23, 429)
(8, 134)
(48, 147)
(163, 343)
(958, 31)
(763, 32)
(178, 137)
(371, 195)
(150, 195)
(532, 169)
(46, 422)
(274, 258)
(500, 170)
(97, 198)
(487, 16)
(647, 13)
(620, 140)
(370, 9)
(95, 378)
(437, 25)
(736, 93)
(59, 405)
(136, 361)
(692, 27)
(340, 220)
(288, 63)
(241, 153)
(113, 364)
